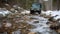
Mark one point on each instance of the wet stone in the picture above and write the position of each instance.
(32, 33)
(38, 33)
(36, 21)
(33, 18)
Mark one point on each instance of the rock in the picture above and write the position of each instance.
(19, 7)
(33, 18)
(8, 24)
(58, 31)
(36, 21)
(51, 19)
(55, 25)
(38, 33)
(31, 33)
(16, 11)
(12, 10)
(6, 4)
(1, 16)
(16, 7)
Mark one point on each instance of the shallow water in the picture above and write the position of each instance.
(41, 27)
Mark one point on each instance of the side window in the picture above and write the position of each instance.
(40, 5)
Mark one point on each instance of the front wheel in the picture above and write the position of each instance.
(31, 11)
(39, 12)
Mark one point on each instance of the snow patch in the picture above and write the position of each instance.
(52, 13)
(3, 12)
(25, 12)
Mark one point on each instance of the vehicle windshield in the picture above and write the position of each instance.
(36, 5)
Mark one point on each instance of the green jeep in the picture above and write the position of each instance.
(36, 7)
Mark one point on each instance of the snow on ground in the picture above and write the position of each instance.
(4, 12)
(25, 12)
(42, 27)
(49, 12)
(52, 13)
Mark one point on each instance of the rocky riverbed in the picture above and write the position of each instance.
(29, 24)
(24, 23)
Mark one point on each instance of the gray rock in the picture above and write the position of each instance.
(36, 21)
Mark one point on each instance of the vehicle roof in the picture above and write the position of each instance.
(36, 3)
